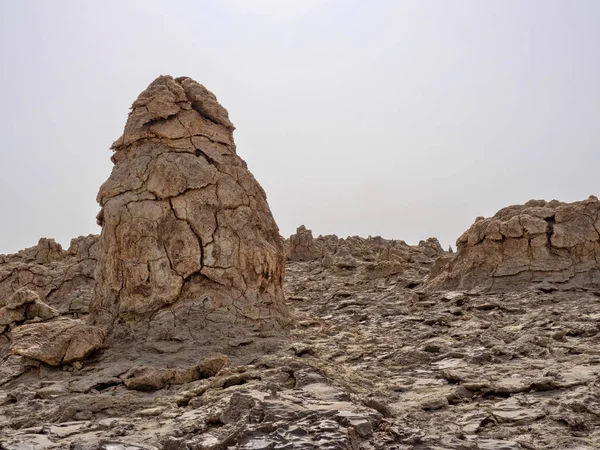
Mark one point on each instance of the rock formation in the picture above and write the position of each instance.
(431, 247)
(381, 257)
(58, 342)
(537, 242)
(22, 306)
(396, 346)
(36, 286)
(188, 242)
(62, 279)
(301, 247)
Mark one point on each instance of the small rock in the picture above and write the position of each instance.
(433, 403)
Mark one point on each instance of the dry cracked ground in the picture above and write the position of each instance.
(374, 362)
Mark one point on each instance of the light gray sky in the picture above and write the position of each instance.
(400, 118)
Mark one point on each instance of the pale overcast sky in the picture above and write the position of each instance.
(400, 118)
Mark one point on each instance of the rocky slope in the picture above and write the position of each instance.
(176, 329)
(374, 361)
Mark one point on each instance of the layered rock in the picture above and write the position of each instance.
(537, 242)
(354, 251)
(301, 246)
(24, 305)
(188, 241)
(57, 342)
(63, 279)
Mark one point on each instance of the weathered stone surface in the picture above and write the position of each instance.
(153, 378)
(62, 279)
(381, 256)
(524, 244)
(188, 241)
(57, 342)
(300, 246)
(431, 247)
(451, 370)
(25, 305)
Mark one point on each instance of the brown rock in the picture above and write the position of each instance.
(344, 259)
(153, 378)
(301, 246)
(25, 305)
(188, 240)
(524, 244)
(62, 279)
(327, 260)
(431, 247)
(58, 342)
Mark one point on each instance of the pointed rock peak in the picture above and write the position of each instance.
(187, 233)
(173, 108)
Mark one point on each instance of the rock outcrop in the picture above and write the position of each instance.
(301, 247)
(537, 242)
(22, 306)
(57, 342)
(431, 247)
(188, 241)
(381, 257)
(63, 279)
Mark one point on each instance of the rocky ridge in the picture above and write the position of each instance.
(520, 245)
(63, 279)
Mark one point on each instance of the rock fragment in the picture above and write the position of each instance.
(57, 342)
(152, 378)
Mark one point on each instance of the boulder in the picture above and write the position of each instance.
(153, 378)
(57, 342)
(25, 305)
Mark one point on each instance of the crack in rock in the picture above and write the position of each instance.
(182, 224)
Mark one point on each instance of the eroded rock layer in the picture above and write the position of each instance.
(64, 279)
(188, 241)
(378, 254)
(540, 241)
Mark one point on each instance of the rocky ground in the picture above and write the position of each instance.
(176, 329)
(373, 361)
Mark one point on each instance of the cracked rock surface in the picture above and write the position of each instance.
(63, 279)
(540, 241)
(188, 242)
(191, 344)
(374, 362)
(301, 246)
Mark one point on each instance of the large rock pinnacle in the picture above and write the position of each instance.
(188, 241)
